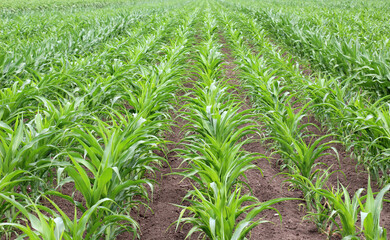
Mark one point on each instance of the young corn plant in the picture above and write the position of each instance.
(41, 225)
(303, 156)
(9, 184)
(370, 214)
(210, 60)
(316, 204)
(348, 209)
(214, 213)
(25, 145)
(345, 208)
(109, 152)
(217, 160)
(62, 113)
(14, 98)
(371, 139)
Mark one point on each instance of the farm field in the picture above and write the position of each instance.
(209, 119)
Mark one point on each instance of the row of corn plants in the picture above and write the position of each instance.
(220, 204)
(102, 142)
(269, 79)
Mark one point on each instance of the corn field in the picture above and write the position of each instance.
(208, 119)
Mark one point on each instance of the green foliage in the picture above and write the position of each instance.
(371, 214)
(348, 210)
(216, 213)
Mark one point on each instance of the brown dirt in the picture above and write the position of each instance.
(67, 207)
